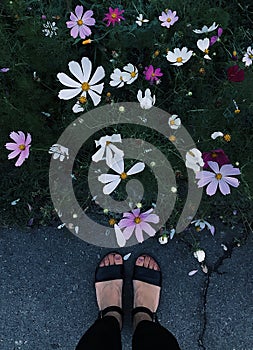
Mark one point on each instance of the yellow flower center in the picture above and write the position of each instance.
(85, 86)
(206, 51)
(156, 53)
(172, 138)
(112, 222)
(250, 56)
(21, 147)
(153, 75)
(214, 155)
(137, 220)
(191, 153)
(82, 100)
(237, 111)
(121, 78)
(107, 143)
(114, 15)
(179, 59)
(227, 137)
(133, 74)
(218, 176)
(168, 20)
(123, 176)
(198, 229)
(79, 22)
(172, 122)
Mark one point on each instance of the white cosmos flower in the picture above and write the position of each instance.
(59, 151)
(248, 57)
(112, 180)
(132, 71)
(205, 29)
(140, 20)
(50, 29)
(194, 159)
(179, 57)
(203, 45)
(174, 122)
(119, 78)
(147, 101)
(201, 224)
(200, 255)
(85, 84)
(217, 134)
(107, 148)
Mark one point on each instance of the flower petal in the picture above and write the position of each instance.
(223, 186)
(137, 168)
(231, 181)
(214, 166)
(228, 169)
(106, 178)
(95, 97)
(138, 234)
(86, 66)
(67, 94)
(128, 231)
(76, 70)
(121, 240)
(98, 75)
(98, 155)
(109, 188)
(67, 81)
(147, 228)
(212, 187)
(14, 154)
(11, 146)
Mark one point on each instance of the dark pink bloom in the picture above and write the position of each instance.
(235, 74)
(138, 222)
(217, 155)
(152, 74)
(79, 22)
(114, 16)
(215, 38)
(218, 177)
(20, 147)
(44, 17)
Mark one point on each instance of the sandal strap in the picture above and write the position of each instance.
(102, 313)
(146, 311)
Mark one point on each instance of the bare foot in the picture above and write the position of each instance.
(145, 294)
(110, 292)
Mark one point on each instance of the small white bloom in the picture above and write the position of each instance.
(205, 29)
(106, 211)
(61, 226)
(194, 159)
(132, 72)
(112, 181)
(201, 224)
(217, 134)
(50, 29)
(200, 255)
(121, 109)
(163, 239)
(173, 189)
(174, 122)
(140, 20)
(179, 57)
(138, 205)
(59, 151)
(248, 57)
(15, 202)
(203, 45)
(119, 78)
(147, 101)
(152, 164)
(76, 229)
(85, 84)
(107, 148)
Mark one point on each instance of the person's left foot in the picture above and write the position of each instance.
(110, 292)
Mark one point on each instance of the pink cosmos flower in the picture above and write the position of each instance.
(114, 16)
(216, 38)
(221, 177)
(80, 21)
(152, 74)
(20, 147)
(138, 222)
(168, 18)
(217, 155)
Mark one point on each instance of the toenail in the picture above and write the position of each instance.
(117, 257)
(141, 258)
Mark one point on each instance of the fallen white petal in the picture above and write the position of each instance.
(191, 273)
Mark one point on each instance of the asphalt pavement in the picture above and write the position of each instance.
(47, 298)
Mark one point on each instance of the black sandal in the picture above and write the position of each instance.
(150, 276)
(109, 273)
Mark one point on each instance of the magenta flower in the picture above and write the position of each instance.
(168, 18)
(217, 155)
(152, 74)
(235, 74)
(215, 38)
(221, 177)
(20, 147)
(79, 22)
(114, 16)
(138, 222)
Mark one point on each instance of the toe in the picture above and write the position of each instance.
(111, 259)
(106, 261)
(146, 261)
(151, 263)
(140, 261)
(118, 259)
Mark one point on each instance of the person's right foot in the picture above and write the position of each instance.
(145, 294)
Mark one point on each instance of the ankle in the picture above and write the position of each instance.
(115, 315)
(140, 316)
